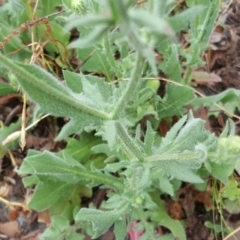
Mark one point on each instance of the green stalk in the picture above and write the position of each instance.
(187, 76)
(102, 179)
(33, 80)
(184, 157)
(128, 93)
(127, 143)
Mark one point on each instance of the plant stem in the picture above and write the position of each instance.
(128, 93)
(154, 159)
(102, 179)
(186, 79)
(128, 144)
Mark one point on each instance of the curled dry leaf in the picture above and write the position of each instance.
(223, 43)
(220, 39)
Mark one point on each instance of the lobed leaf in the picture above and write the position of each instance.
(223, 97)
(181, 20)
(174, 100)
(171, 64)
(183, 150)
(48, 166)
(101, 221)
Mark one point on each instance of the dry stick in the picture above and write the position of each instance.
(12, 159)
(23, 123)
(20, 49)
(23, 27)
(227, 7)
(33, 59)
(28, 25)
(232, 233)
(13, 136)
(13, 204)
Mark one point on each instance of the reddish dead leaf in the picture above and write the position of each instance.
(204, 198)
(163, 127)
(13, 214)
(204, 78)
(175, 210)
(222, 119)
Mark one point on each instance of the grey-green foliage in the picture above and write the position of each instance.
(230, 95)
(138, 161)
(200, 29)
(110, 217)
(185, 148)
(60, 229)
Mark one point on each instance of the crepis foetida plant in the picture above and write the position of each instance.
(116, 114)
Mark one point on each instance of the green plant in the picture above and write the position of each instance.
(136, 163)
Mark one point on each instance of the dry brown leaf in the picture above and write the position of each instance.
(175, 210)
(10, 229)
(205, 78)
(44, 217)
(204, 198)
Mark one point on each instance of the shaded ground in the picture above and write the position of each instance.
(196, 207)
